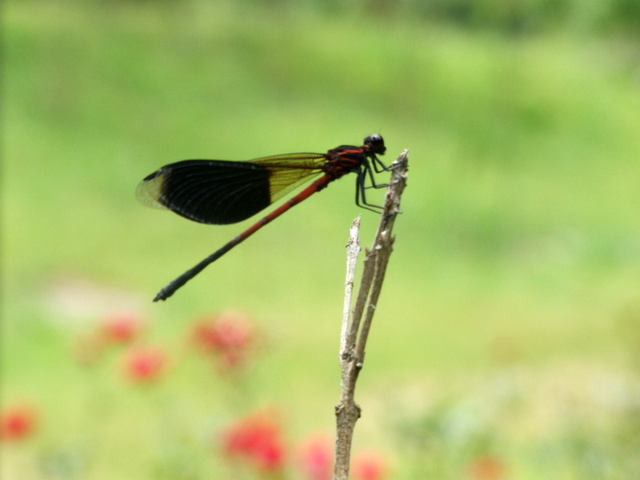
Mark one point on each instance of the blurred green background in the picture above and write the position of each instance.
(516, 269)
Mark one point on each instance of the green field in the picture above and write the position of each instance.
(509, 323)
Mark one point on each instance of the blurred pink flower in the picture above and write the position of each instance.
(315, 456)
(229, 335)
(121, 327)
(145, 364)
(17, 422)
(113, 328)
(486, 467)
(258, 439)
(368, 465)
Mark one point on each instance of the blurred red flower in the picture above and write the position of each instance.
(316, 457)
(121, 327)
(229, 335)
(113, 328)
(368, 465)
(144, 364)
(487, 467)
(258, 439)
(17, 422)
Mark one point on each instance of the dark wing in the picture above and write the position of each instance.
(221, 192)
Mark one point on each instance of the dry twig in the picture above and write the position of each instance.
(355, 331)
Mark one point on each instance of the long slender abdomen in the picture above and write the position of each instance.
(172, 287)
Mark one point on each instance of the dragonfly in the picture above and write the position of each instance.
(221, 192)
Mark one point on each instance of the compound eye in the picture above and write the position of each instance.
(373, 139)
(376, 142)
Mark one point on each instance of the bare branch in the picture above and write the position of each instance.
(353, 250)
(355, 332)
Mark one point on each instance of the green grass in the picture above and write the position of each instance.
(518, 247)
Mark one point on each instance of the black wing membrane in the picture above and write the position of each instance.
(221, 192)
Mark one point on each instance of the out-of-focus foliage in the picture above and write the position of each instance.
(509, 16)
